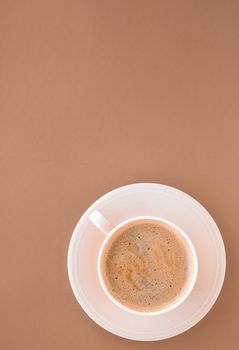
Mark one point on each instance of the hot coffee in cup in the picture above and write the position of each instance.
(146, 265)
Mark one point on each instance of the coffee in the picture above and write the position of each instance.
(146, 265)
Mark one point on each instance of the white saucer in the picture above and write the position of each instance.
(156, 200)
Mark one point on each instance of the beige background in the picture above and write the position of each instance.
(95, 95)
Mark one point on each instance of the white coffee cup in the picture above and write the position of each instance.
(106, 227)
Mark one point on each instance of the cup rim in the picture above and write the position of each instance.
(174, 304)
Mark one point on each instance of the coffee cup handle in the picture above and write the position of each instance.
(101, 222)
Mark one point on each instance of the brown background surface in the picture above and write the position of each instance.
(96, 95)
